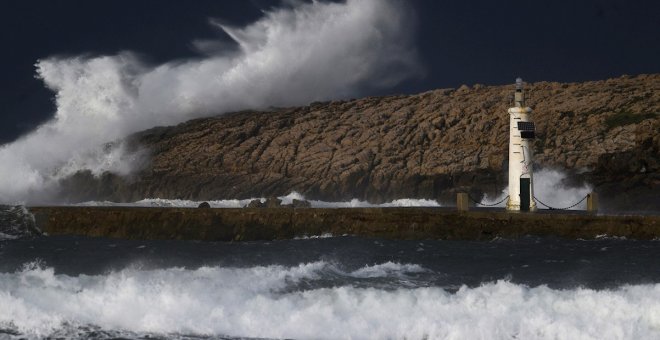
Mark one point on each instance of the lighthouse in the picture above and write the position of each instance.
(521, 135)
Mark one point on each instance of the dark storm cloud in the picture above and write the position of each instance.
(492, 42)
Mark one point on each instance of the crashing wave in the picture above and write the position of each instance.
(355, 46)
(16, 222)
(255, 302)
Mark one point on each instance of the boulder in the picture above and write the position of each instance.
(255, 204)
(301, 204)
(273, 202)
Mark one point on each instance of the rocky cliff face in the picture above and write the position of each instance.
(428, 145)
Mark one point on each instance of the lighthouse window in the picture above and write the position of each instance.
(527, 134)
(526, 126)
(526, 130)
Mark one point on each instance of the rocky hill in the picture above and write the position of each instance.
(428, 145)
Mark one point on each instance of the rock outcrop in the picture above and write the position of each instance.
(428, 145)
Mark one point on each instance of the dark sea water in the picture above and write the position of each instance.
(329, 287)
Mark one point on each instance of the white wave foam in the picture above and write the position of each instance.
(324, 235)
(157, 202)
(16, 222)
(355, 203)
(168, 203)
(608, 237)
(246, 302)
(303, 52)
(4, 237)
(287, 199)
(386, 269)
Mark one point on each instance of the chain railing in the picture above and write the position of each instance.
(553, 208)
(535, 198)
(487, 205)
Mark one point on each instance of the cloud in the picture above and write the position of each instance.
(291, 56)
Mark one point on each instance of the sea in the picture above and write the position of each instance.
(324, 287)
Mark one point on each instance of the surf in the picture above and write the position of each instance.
(267, 301)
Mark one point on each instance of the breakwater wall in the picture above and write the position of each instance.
(283, 223)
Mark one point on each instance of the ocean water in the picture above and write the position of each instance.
(327, 287)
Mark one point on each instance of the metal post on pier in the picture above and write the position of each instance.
(462, 201)
(592, 202)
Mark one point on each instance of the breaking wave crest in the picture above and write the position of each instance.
(260, 302)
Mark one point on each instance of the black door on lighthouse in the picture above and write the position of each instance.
(524, 194)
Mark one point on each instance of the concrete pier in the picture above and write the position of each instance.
(284, 223)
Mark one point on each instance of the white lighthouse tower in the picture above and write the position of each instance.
(521, 134)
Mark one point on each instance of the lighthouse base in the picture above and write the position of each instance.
(525, 201)
(516, 206)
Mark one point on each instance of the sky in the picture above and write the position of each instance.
(453, 42)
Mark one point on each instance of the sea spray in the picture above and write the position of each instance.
(353, 46)
(549, 187)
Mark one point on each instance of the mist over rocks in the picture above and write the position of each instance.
(428, 145)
